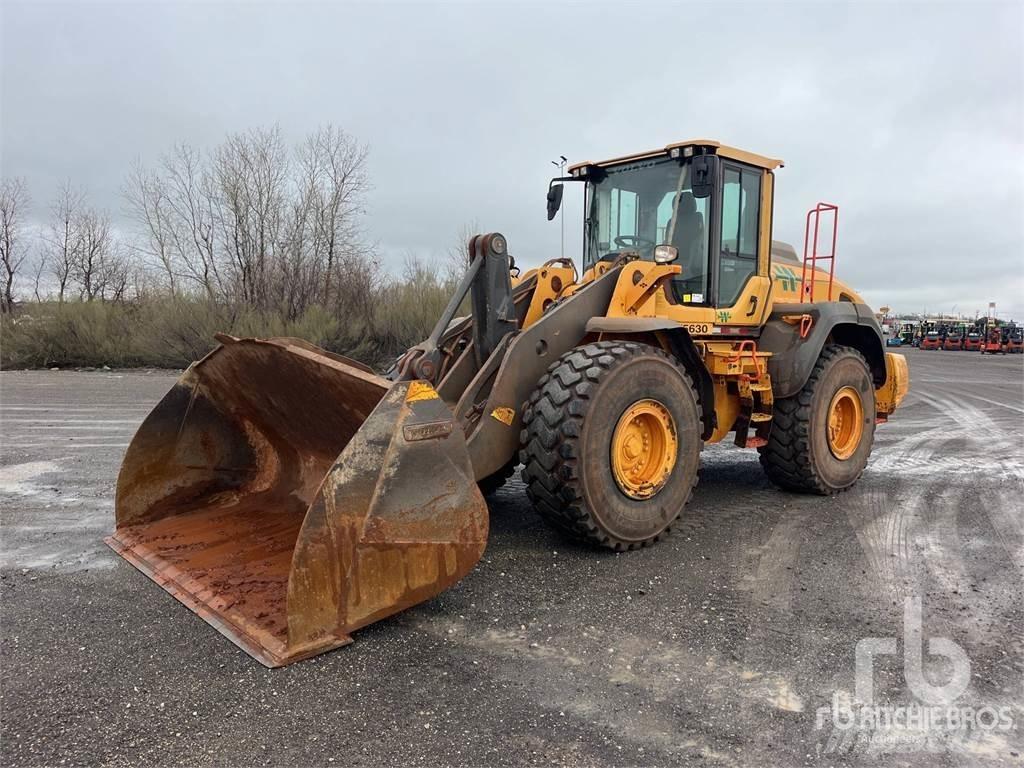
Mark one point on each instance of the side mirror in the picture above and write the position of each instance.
(666, 254)
(554, 200)
(702, 175)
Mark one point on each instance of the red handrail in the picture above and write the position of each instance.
(807, 290)
(738, 356)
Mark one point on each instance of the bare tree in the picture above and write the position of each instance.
(63, 241)
(333, 167)
(250, 173)
(257, 224)
(175, 207)
(147, 200)
(456, 259)
(14, 200)
(92, 254)
(81, 252)
(37, 274)
(115, 272)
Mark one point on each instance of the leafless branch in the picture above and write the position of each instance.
(14, 200)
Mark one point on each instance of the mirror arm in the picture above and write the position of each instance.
(555, 193)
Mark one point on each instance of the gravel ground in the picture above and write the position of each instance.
(721, 646)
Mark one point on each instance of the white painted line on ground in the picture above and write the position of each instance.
(69, 421)
(70, 442)
(61, 438)
(83, 428)
(69, 408)
(63, 446)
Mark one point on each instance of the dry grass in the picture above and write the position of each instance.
(172, 332)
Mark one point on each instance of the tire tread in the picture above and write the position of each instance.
(787, 458)
(550, 439)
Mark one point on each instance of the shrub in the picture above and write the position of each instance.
(171, 332)
(79, 333)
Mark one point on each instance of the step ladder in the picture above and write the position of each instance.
(756, 400)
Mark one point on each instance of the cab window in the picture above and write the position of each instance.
(638, 206)
(622, 215)
(741, 213)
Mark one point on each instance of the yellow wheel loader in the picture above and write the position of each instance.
(290, 496)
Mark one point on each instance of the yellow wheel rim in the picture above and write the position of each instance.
(845, 423)
(644, 449)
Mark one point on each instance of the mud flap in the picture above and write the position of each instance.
(289, 498)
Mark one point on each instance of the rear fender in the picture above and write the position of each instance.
(841, 322)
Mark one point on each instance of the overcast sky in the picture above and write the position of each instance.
(909, 116)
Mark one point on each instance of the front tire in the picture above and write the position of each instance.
(611, 443)
(496, 480)
(821, 437)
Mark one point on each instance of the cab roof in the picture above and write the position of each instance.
(709, 145)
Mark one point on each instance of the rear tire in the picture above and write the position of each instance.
(800, 455)
(489, 485)
(570, 425)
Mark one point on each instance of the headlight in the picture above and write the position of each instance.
(665, 254)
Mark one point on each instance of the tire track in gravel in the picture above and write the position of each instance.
(992, 469)
(768, 558)
(943, 543)
(922, 464)
(890, 513)
(617, 686)
(950, 473)
(883, 527)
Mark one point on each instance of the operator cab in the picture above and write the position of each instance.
(710, 203)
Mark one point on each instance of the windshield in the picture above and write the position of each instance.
(636, 206)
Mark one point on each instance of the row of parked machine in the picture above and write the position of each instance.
(984, 335)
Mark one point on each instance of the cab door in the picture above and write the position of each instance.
(741, 282)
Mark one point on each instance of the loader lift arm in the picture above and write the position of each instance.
(489, 284)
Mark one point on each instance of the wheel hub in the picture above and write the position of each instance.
(845, 423)
(644, 449)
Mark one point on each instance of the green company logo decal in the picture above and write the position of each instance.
(787, 277)
(723, 315)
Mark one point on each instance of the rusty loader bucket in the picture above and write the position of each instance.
(289, 496)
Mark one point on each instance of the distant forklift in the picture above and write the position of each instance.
(1013, 339)
(973, 340)
(993, 341)
(932, 339)
(908, 334)
(954, 339)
